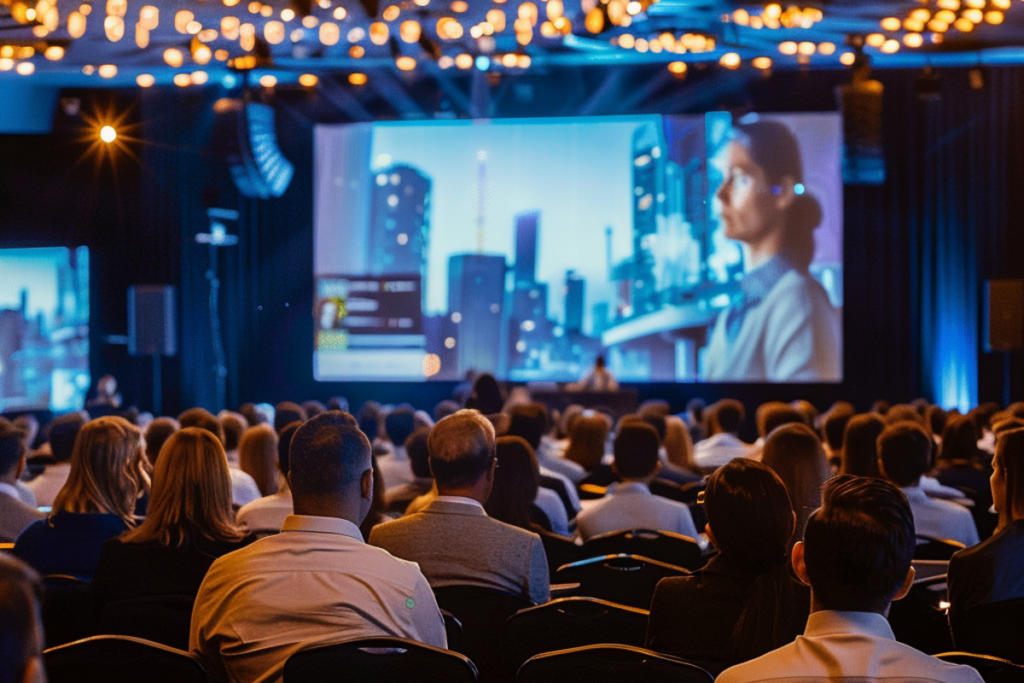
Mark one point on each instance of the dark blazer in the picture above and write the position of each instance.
(67, 542)
(988, 572)
(697, 617)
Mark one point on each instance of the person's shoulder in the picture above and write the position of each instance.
(763, 668)
(931, 668)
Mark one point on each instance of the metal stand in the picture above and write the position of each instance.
(217, 237)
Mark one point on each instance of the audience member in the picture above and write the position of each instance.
(376, 514)
(833, 430)
(744, 602)
(257, 457)
(252, 414)
(486, 395)
(771, 415)
(62, 432)
(588, 437)
(530, 422)
(444, 409)
(266, 515)
(232, 426)
(312, 408)
(189, 524)
(856, 557)
(678, 445)
(630, 504)
(21, 628)
(516, 482)
(156, 435)
(399, 497)
(937, 419)
(395, 468)
(860, 445)
(95, 504)
(243, 487)
(15, 515)
(723, 443)
(960, 461)
(255, 607)
(794, 452)
(695, 419)
(808, 410)
(287, 412)
(452, 539)
(904, 452)
(337, 403)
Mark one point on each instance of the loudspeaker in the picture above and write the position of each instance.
(152, 321)
(1004, 315)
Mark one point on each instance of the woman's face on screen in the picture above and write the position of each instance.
(751, 212)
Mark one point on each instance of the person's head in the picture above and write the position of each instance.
(750, 518)
(257, 457)
(904, 453)
(191, 493)
(104, 475)
(726, 416)
(695, 408)
(857, 548)
(252, 414)
(486, 396)
(106, 386)
(529, 421)
(203, 419)
(337, 403)
(284, 442)
(419, 453)
(516, 481)
(775, 414)
(29, 426)
(834, 425)
(794, 452)
(959, 441)
(567, 418)
(880, 406)
(904, 412)
(157, 433)
(587, 440)
(61, 434)
(313, 408)
(287, 412)
(462, 453)
(399, 424)
(444, 409)
(763, 200)
(937, 418)
(678, 443)
(232, 425)
(860, 445)
(1007, 480)
(656, 421)
(12, 450)
(599, 363)
(1006, 425)
(329, 468)
(21, 624)
(636, 452)
(369, 419)
(807, 409)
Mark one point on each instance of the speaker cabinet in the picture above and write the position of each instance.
(1004, 315)
(152, 321)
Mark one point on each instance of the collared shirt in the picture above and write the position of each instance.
(720, 449)
(854, 645)
(315, 583)
(25, 493)
(754, 287)
(48, 484)
(9, 490)
(941, 518)
(266, 514)
(631, 505)
(461, 500)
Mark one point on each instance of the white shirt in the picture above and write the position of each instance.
(266, 514)
(941, 518)
(847, 645)
(48, 484)
(395, 468)
(243, 488)
(720, 449)
(631, 505)
(313, 584)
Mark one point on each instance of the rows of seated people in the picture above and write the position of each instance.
(251, 536)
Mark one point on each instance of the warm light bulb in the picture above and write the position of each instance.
(108, 134)
(357, 79)
(268, 81)
(308, 80)
(145, 80)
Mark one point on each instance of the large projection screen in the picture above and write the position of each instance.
(679, 248)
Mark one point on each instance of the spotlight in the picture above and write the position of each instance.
(108, 134)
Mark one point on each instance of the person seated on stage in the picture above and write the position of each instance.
(905, 454)
(266, 515)
(61, 435)
(257, 457)
(399, 497)
(316, 582)
(243, 487)
(598, 379)
(723, 443)
(15, 515)
(860, 445)
(395, 467)
(453, 539)
(21, 626)
(189, 523)
(107, 401)
(630, 504)
(794, 452)
(95, 504)
(856, 557)
(994, 569)
(744, 602)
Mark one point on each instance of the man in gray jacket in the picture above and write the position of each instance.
(452, 539)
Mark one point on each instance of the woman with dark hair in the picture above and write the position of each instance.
(744, 602)
(587, 440)
(486, 395)
(960, 461)
(860, 445)
(781, 326)
(257, 457)
(797, 456)
(516, 482)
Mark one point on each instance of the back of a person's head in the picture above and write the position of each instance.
(486, 396)
(327, 457)
(567, 418)
(775, 414)
(191, 493)
(833, 427)
(654, 406)
(284, 442)
(445, 408)
(982, 415)
(959, 441)
(880, 406)
(157, 433)
(858, 547)
(257, 457)
(937, 418)
(461, 449)
(1009, 459)
(399, 424)
(749, 512)
(905, 453)
(530, 422)
(368, 419)
(794, 452)
(61, 434)
(287, 412)
(726, 416)
(860, 445)
(658, 422)
(252, 414)
(419, 452)
(102, 476)
(587, 440)
(904, 412)
(12, 446)
(516, 481)
(337, 403)
(678, 444)
(203, 419)
(232, 425)
(29, 426)
(1006, 425)
(695, 407)
(636, 450)
(21, 628)
(806, 409)
(313, 408)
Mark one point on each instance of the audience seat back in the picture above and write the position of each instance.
(994, 628)
(625, 579)
(560, 550)
(992, 669)
(664, 546)
(919, 620)
(163, 619)
(929, 548)
(379, 659)
(68, 609)
(120, 659)
(609, 664)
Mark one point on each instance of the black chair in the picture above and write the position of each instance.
(452, 630)
(368, 660)
(993, 628)
(121, 659)
(559, 550)
(571, 622)
(163, 619)
(664, 546)
(68, 610)
(482, 612)
(668, 489)
(609, 664)
(992, 669)
(919, 619)
(624, 579)
(929, 548)
(591, 491)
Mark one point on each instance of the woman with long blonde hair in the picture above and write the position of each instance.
(257, 457)
(95, 504)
